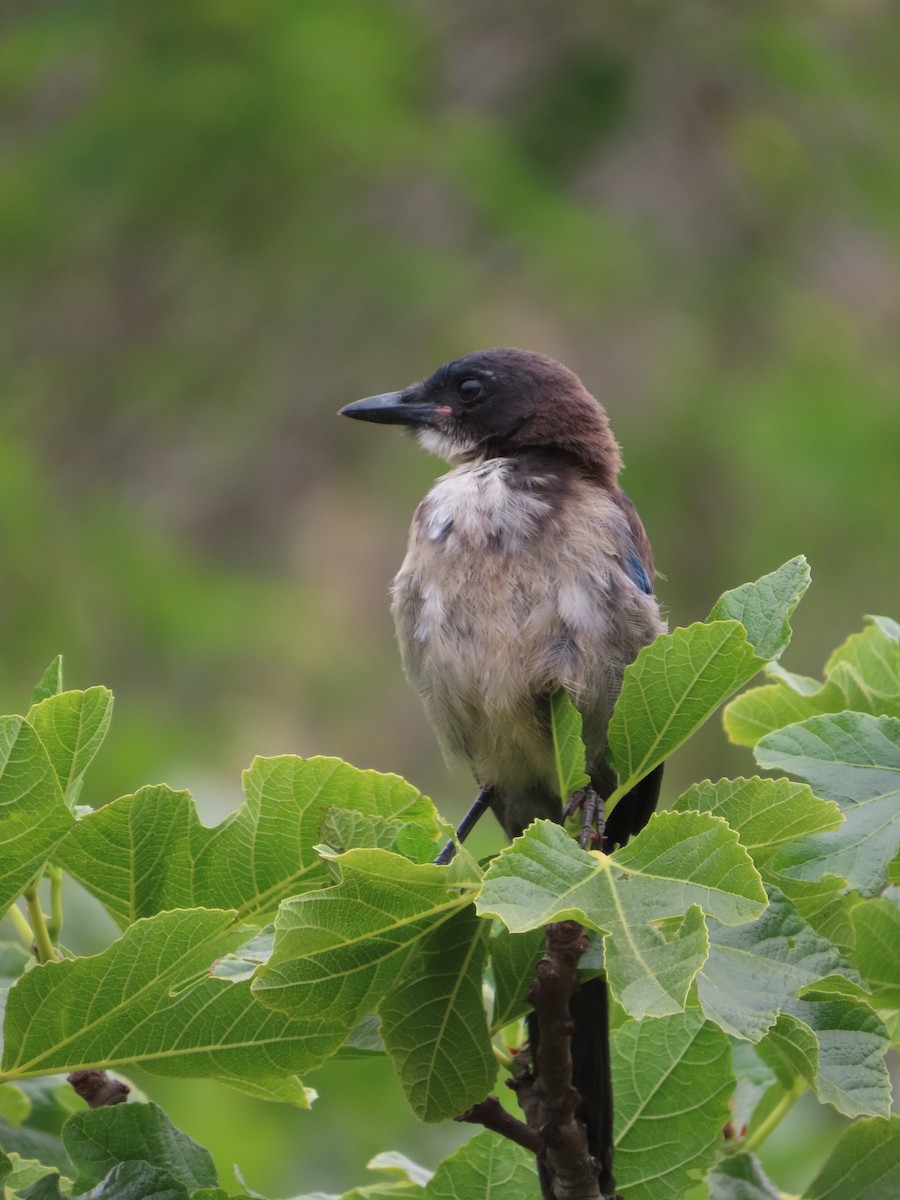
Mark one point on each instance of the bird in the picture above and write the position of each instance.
(527, 570)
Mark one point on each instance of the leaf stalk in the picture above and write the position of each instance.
(776, 1116)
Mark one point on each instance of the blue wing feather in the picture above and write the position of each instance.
(636, 573)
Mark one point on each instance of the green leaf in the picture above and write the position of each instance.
(680, 679)
(485, 1168)
(137, 1180)
(434, 1024)
(740, 1177)
(755, 971)
(678, 860)
(672, 1079)
(765, 813)
(47, 1188)
(513, 959)
(101, 1138)
(864, 1165)
(364, 1040)
(876, 924)
(348, 829)
(72, 726)
(14, 958)
(15, 1104)
(764, 608)
(52, 1101)
(27, 1173)
(50, 683)
(337, 949)
(149, 1000)
(148, 852)
(854, 759)
(568, 745)
(837, 1044)
(825, 905)
(670, 689)
(756, 1082)
(862, 674)
(33, 814)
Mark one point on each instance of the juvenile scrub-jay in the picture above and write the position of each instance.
(528, 570)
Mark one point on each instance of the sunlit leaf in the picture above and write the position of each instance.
(862, 674)
(672, 687)
(678, 860)
(765, 813)
(149, 1000)
(338, 948)
(149, 852)
(33, 814)
(764, 608)
(568, 747)
(72, 726)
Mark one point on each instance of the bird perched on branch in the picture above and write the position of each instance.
(527, 570)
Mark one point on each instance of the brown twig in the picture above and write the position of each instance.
(492, 1115)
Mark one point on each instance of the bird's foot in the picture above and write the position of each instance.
(593, 819)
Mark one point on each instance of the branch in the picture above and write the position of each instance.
(566, 1154)
(492, 1115)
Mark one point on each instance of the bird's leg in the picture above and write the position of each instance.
(593, 823)
(480, 805)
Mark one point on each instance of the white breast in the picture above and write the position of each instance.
(506, 594)
(475, 506)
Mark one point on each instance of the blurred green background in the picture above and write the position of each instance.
(221, 220)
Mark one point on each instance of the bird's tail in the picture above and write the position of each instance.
(591, 1075)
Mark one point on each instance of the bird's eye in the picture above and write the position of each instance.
(469, 390)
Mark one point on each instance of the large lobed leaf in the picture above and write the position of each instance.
(149, 1000)
(678, 861)
(149, 852)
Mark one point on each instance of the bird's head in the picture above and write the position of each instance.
(503, 402)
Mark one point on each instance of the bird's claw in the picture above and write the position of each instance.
(593, 822)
